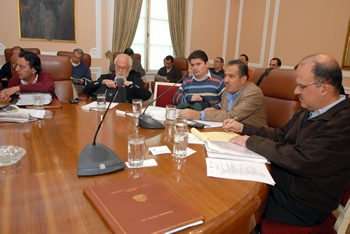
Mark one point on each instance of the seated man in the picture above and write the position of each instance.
(217, 69)
(275, 63)
(29, 78)
(136, 64)
(5, 72)
(242, 100)
(133, 86)
(244, 58)
(80, 71)
(202, 84)
(310, 154)
(170, 71)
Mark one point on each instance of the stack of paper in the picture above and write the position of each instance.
(26, 99)
(14, 114)
(93, 106)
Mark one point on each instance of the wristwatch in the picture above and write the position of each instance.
(131, 83)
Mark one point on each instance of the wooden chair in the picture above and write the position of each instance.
(161, 87)
(60, 69)
(330, 225)
(278, 89)
(8, 53)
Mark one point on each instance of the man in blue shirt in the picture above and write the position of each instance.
(80, 71)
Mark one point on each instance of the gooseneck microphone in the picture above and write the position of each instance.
(98, 159)
(146, 121)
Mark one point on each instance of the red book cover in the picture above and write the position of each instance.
(141, 205)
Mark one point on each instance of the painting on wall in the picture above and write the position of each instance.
(49, 20)
(346, 55)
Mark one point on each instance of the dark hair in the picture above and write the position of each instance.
(16, 47)
(246, 57)
(242, 67)
(221, 59)
(279, 63)
(169, 57)
(33, 59)
(79, 51)
(128, 51)
(198, 54)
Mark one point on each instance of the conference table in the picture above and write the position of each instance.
(42, 193)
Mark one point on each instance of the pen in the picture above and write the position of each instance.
(230, 121)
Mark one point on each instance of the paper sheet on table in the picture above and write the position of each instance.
(159, 150)
(238, 170)
(192, 139)
(213, 136)
(13, 113)
(94, 105)
(146, 163)
(207, 124)
(157, 112)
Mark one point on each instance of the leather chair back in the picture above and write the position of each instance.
(8, 53)
(86, 58)
(182, 64)
(60, 69)
(136, 56)
(278, 89)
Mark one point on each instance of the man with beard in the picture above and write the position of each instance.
(132, 88)
(310, 154)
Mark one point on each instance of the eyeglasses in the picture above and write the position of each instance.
(301, 87)
(121, 68)
(78, 58)
(19, 66)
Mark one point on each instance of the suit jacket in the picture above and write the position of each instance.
(249, 107)
(136, 66)
(173, 76)
(137, 90)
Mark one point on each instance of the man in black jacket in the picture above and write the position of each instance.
(133, 86)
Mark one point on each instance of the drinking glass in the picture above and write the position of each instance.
(136, 150)
(180, 144)
(101, 101)
(180, 125)
(170, 114)
(38, 101)
(136, 107)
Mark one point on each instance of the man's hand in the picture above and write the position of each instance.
(109, 83)
(196, 98)
(6, 93)
(127, 83)
(240, 140)
(81, 81)
(235, 126)
(190, 114)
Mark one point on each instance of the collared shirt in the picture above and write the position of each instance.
(168, 70)
(316, 113)
(206, 77)
(35, 80)
(73, 64)
(231, 98)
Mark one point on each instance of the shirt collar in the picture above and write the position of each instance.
(206, 77)
(73, 64)
(168, 70)
(35, 80)
(325, 109)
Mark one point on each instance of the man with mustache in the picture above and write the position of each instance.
(310, 154)
(241, 100)
(29, 77)
(133, 86)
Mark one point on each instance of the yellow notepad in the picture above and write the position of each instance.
(213, 136)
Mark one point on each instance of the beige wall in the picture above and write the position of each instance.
(288, 29)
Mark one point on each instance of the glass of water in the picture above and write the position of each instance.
(170, 113)
(136, 150)
(180, 144)
(101, 101)
(38, 100)
(136, 107)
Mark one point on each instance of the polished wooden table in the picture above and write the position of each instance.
(43, 194)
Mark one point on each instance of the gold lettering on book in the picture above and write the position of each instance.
(157, 216)
(165, 213)
(140, 198)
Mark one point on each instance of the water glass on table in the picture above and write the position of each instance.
(170, 114)
(180, 144)
(136, 107)
(136, 150)
(180, 125)
(38, 101)
(101, 101)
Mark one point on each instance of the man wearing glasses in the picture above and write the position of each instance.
(310, 154)
(29, 78)
(80, 71)
(133, 86)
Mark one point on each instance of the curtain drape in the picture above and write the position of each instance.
(176, 15)
(126, 19)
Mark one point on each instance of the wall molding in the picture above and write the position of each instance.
(189, 27)
(227, 20)
(97, 71)
(239, 26)
(96, 52)
(274, 29)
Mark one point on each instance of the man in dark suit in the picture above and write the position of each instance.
(132, 88)
(169, 71)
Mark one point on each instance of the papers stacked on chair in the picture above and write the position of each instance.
(26, 99)
(14, 114)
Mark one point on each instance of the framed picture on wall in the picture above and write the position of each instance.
(346, 55)
(49, 20)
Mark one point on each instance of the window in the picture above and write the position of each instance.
(152, 39)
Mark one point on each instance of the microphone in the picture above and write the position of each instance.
(146, 121)
(98, 159)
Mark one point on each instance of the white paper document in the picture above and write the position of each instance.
(93, 105)
(192, 139)
(238, 170)
(159, 150)
(146, 163)
(207, 124)
(26, 99)
(13, 113)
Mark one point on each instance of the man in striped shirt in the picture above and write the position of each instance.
(202, 84)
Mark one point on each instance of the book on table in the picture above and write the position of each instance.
(142, 205)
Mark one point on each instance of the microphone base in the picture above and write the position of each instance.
(148, 122)
(98, 160)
